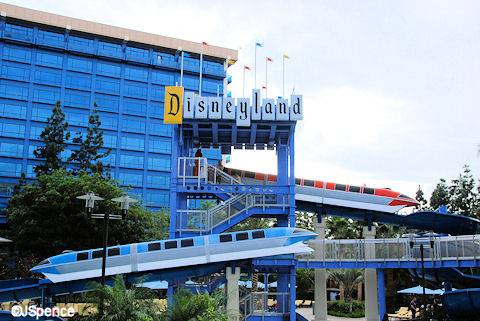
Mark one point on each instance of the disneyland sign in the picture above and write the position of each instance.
(180, 105)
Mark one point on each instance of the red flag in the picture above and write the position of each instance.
(247, 68)
(204, 43)
(269, 59)
(263, 87)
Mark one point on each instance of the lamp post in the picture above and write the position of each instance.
(90, 199)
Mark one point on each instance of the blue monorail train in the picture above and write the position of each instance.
(156, 255)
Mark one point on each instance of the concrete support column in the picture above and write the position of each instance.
(233, 293)
(371, 292)
(320, 276)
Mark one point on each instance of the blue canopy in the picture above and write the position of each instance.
(419, 290)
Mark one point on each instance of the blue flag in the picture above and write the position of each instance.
(258, 44)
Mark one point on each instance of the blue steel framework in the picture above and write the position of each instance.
(41, 65)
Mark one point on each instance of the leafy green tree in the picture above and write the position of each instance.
(46, 218)
(88, 157)
(343, 228)
(349, 278)
(305, 220)
(420, 197)
(305, 283)
(54, 137)
(440, 195)
(120, 303)
(463, 197)
(187, 306)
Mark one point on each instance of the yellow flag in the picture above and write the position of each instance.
(173, 105)
(231, 62)
(286, 57)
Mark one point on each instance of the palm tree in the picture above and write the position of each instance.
(349, 278)
(119, 303)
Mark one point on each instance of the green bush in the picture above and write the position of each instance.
(342, 308)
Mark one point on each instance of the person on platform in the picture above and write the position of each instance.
(413, 307)
(196, 168)
(219, 167)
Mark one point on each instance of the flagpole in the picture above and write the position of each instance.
(266, 77)
(181, 71)
(255, 77)
(200, 82)
(283, 77)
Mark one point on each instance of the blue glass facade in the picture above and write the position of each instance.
(40, 65)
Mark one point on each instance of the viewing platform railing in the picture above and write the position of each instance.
(465, 247)
(264, 304)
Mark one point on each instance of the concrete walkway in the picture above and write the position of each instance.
(308, 314)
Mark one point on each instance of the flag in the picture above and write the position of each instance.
(258, 44)
(264, 87)
(204, 43)
(231, 62)
(269, 59)
(247, 68)
(286, 57)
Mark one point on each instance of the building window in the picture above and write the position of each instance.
(12, 130)
(44, 94)
(131, 161)
(13, 90)
(109, 121)
(49, 59)
(48, 76)
(133, 124)
(10, 169)
(108, 69)
(77, 118)
(18, 32)
(80, 44)
(75, 98)
(110, 49)
(16, 71)
(131, 179)
(49, 38)
(15, 53)
(163, 77)
(157, 198)
(158, 181)
(109, 141)
(107, 103)
(156, 109)
(132, 143)
(11, 149)
(77, 80)
(107, 85)
(134, 106)
(158, 92)
(157, 127)
(13, 110)
(35, 132)
(136, 73)
(158, 164)
(133, 89)
(79, 64)
(156, 145)
(137, 54)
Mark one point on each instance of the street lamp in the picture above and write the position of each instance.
(90, 199)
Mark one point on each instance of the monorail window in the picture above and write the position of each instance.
(82, 256)
(170, 245)
(308, 182)
(405, 196)
(354, 189)
(96, 254)
(340, 187)
(113, 252)
(241, 236)
(258, 234)
(298, 181)
(249, 174)
(368, 190)
(225, 238)
(46, 261)
(154, 246)
(186, 243)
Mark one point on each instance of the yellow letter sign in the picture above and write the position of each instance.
(173, 105)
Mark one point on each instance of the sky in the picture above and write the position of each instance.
(391, 88)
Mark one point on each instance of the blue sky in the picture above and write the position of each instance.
(391, 88)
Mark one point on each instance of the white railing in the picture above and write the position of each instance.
(204, 221)
(264, 303)
(465, 247)
(192, 168)
(216, 175)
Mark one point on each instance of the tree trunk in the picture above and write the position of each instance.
(360, 291)
(254, 282)
(342, 292)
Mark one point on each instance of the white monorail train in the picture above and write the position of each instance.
(157, 255)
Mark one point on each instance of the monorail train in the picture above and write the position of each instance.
(156, 255)
(320, 192)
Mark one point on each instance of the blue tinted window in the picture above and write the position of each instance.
(109, 121)
(31, 151)
(110, 50)
(10, 169)
(134, 89)
(79, 64)
(213, 68)
(159, 163)
(107, 85)
(109, 160)
(49, 38)
(136, 73)
(75, 98)
(109, 141)
(107, 103)
(11, 149)
(30, 171)
(157, 198)
(45, 94)
(18, 32)
(41, 112)
(14, 90)
(158, 92)
(158, 145)
(16, 71)
(212, 85)
(133, 124)
(131, 161)
(156, 109)
(12, 130)
(163, 59)
(158, 181)
(134, 106)
(15, 53)
(77, 117)
(80, 44)
(35, 132)
(191, 64)
(132, 143)
(48, 76)
(78, 80)
(49, 59)
(190, 82)
(109, 69)
(13, 109)
(137, 54)
(157, 127)
(131, 179)
(163, 77)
